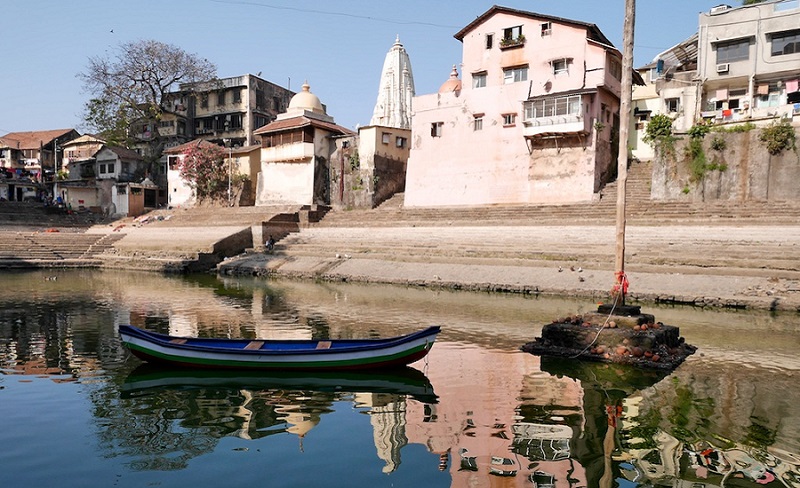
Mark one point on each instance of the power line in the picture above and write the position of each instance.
(340, 14)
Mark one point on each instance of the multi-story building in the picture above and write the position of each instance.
(31, 153)
(79, 151)
(226, 111)
(535, 120)
(670, 87)
(749, 61)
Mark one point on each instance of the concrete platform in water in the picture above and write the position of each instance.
(621, 336)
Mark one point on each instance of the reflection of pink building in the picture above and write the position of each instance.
(532, 121)
(478, 417)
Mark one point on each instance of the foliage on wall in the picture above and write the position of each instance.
(778, 137)
(204, 170)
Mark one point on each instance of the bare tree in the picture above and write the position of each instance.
(134, 82)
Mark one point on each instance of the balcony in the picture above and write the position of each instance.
(557, 124)
(511, 42)
(294, 152)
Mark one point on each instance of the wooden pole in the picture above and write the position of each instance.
(626, 94)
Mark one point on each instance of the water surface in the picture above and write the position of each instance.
(78, 410)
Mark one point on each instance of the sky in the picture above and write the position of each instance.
(338, 47)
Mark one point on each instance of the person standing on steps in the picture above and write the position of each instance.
(270, 244)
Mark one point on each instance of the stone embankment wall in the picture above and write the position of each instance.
(739, 169)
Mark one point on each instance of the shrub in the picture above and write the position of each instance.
(697, 159)
(699, 130)
(660, 126)
(718, 143)
(778, 137)
(658, 134)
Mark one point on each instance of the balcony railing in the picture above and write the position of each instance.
(509, 42)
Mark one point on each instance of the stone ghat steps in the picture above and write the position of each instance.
(213, 216)
(21, 215)
(639, 209)
(39, 246)
(752, 213)
(758, 250)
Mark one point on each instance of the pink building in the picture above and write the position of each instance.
(534, 120)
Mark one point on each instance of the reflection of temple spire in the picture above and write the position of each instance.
(388, 421)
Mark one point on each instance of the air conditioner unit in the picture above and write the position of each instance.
(723, 68)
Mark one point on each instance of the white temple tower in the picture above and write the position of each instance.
(393, 108)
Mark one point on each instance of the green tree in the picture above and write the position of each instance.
(131, 86)
(751, 2)
(109, 122)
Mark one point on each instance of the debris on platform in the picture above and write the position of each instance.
(623, 336)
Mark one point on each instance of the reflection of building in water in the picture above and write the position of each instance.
(661, 456)
(388, 421)
(300, 419)
(503, 427)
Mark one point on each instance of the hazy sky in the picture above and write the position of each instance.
(339, 47)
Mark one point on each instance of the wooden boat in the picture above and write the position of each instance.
(149, 379)
(290, 355)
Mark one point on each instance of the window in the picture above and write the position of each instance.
(786, 43)
(673, 105)
(512, 33)
(237, 95)
(479, 79)
(173, 161)
(235, 121)
(400, 142)
(615, 69)
(221, 97)
(547, 28)
(489, 40)
(110, 167)
(513, 75)
(509, 120)
(385, 137)
(204, 100)
(728, 52)
(550, 107)
(559, 66)
(477, 122)
(102, 168)
(436, 129)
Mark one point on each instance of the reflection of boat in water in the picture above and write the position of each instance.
(262, 354)
(399, 381)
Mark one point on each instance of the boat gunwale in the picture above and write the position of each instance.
(361, 345)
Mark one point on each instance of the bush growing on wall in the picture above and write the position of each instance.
(658, 134)
(778, 136)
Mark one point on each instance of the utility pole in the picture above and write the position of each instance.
(626, 96)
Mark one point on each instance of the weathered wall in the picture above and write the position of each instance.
(745, 171)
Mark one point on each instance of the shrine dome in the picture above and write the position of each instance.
(305, 100)
(453, 84)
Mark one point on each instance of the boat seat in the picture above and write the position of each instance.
(178, 341)
(324, 345)
(254, 345)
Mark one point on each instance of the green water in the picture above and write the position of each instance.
(77, 410)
